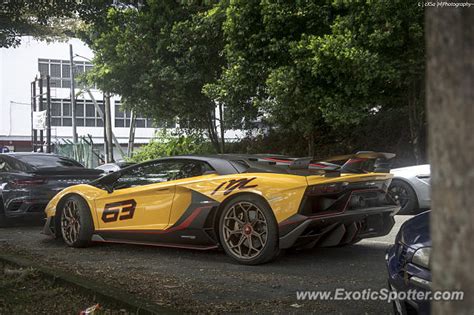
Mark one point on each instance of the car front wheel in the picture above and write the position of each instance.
(76, 222)
(248, 231)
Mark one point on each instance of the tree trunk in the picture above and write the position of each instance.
(222, 128)
(311, 144)
(108, 128)
(450, 108)
(212, 131)
(415, 120)
(131, 134)
(414, 95)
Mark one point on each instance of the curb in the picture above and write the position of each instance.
(104, 291)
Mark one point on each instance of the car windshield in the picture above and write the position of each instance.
(46, 161)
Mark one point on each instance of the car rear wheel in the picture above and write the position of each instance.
(405, 195)
(248, 231)
(76, 222)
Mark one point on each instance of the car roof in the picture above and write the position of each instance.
(226, 164)
(28, 153)
(221, 166)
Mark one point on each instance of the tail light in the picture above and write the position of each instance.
(29, 182)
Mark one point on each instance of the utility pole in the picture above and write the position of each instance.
(108, 128)
(73, 96)
(33, 109)
(102, 116)
(106, 142)
(40, 101)
(48, 114)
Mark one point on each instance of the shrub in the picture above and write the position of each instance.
(168, 144)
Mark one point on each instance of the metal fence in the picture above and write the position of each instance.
(83, 151)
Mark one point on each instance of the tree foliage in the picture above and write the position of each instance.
(304, 67)
(310, 67)
(310, 63)
(45, 20)
(167, 144)
(159, 58)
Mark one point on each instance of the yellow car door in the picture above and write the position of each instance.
(141, 198)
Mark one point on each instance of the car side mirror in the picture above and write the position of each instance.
(108, 181)
(109, 188)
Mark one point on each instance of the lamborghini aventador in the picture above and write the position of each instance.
(251, 206)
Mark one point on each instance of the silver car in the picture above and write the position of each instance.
(411, 187)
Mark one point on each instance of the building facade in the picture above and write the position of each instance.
(18, 68)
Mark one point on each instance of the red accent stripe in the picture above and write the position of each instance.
(278, 160)
(319, 165)
(351, 161)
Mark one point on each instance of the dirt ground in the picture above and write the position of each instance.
(26, 291)
(208, 281)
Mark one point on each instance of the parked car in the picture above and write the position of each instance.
(113, 167)
(411, 188)
(28, 181)
(249, 206)
(408, 263)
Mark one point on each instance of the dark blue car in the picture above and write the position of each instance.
(408, 264)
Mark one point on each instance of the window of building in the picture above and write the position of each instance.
(61, 112)
(123, 118)
(86, 114)
(60, 71)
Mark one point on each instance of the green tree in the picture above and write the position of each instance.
(311, 63)
(159, 59)
(261, 76)
(379, 64)
(45, 20)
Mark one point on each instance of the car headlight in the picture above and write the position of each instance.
(422, 257)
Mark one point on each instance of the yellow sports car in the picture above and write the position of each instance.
(250, 205)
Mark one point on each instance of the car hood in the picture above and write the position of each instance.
(416, 231)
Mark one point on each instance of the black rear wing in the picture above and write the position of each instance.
(354, 162)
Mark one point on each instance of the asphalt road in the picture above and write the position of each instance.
(208, 281)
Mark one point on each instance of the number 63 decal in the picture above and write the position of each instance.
(122, 210)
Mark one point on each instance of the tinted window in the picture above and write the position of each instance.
(43, 161)
(240, 165)
(11, 165)
(193, 168)
(4, 167)
(162, 171)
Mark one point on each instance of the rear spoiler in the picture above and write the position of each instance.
(381, 164)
